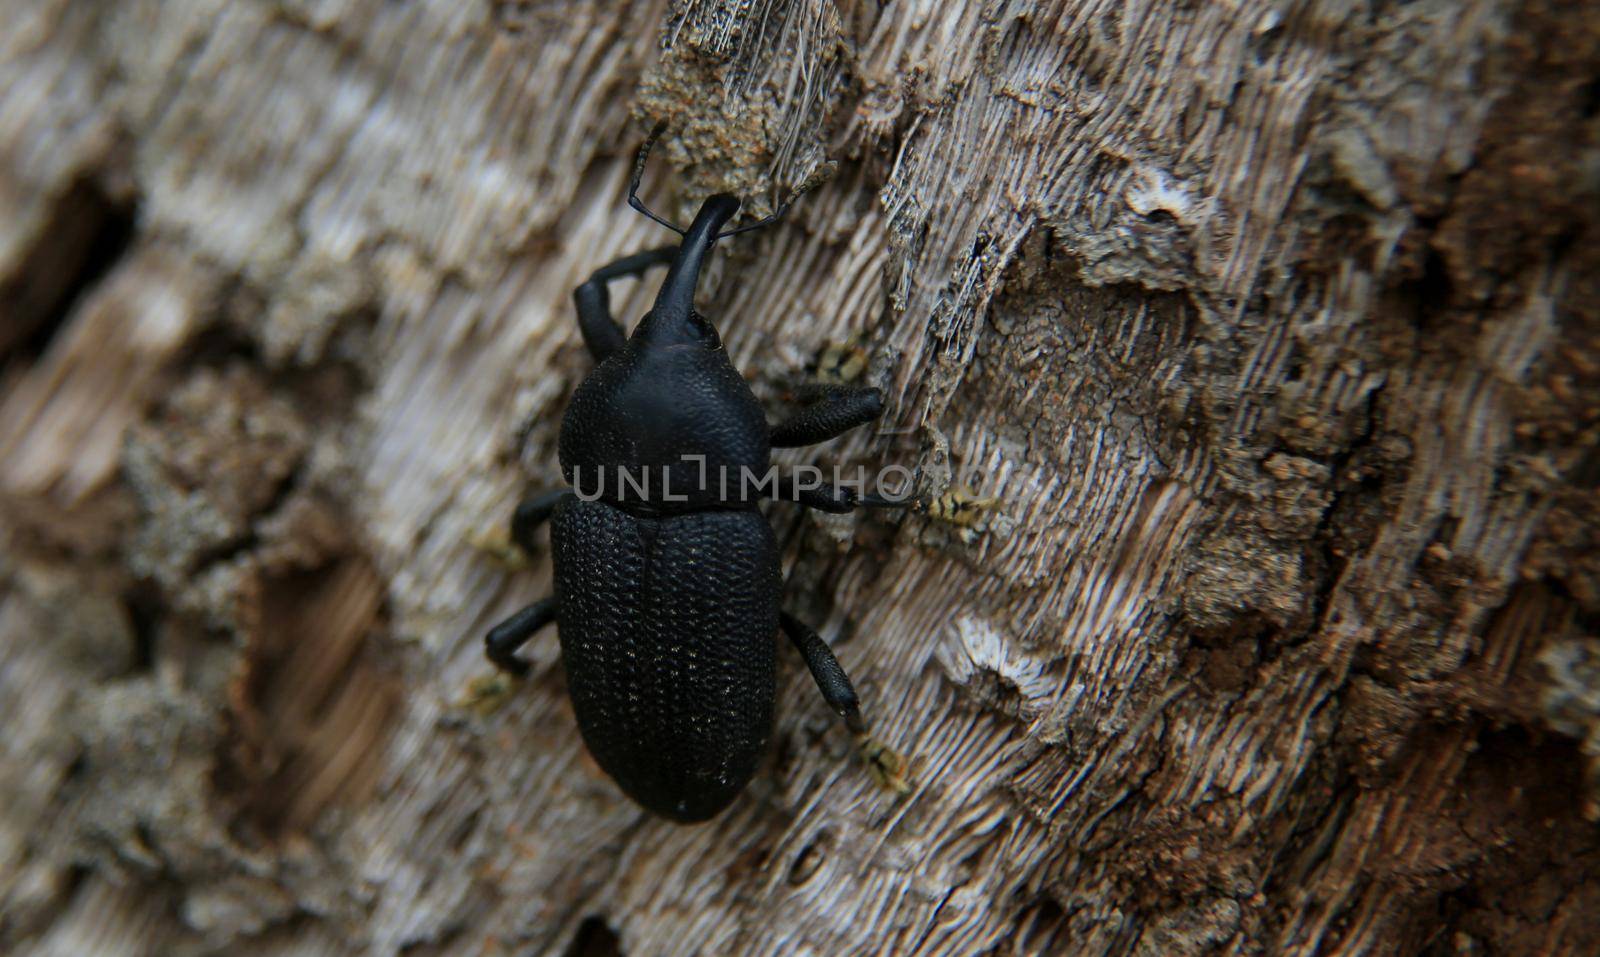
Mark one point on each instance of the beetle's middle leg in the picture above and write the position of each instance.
(601, 333)
(826, 497)
(885, 766)
(512, 546)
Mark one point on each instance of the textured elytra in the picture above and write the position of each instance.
(668, 630)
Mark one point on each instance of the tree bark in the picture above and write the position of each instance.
(1274, 328)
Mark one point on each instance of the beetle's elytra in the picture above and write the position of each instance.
(667, 581)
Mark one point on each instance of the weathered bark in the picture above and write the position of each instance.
(1275, 328)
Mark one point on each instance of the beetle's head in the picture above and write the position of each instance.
(691, 331)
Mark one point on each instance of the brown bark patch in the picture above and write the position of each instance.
(310, 707)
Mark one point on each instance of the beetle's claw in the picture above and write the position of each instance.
(960, 508)
(495, 543)
(886, 766)
(486, 694)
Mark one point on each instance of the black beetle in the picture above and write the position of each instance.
(667, 604)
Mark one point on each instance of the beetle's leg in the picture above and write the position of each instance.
(830, 677)
(960, 508)
(512, 546)
(831, 412)
(601, 333)
(885, 766)
(505, 638)
(838, 499)
(530, 514)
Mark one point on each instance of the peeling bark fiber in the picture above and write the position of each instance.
(1273, 325)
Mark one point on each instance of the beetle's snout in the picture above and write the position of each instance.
(675, 301)
(721, 206)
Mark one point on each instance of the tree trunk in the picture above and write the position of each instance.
(1275, 329)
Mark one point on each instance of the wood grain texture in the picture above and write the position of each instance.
(1273, 325)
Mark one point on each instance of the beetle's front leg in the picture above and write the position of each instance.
(601, 333)
(831, 411)
(885, 766)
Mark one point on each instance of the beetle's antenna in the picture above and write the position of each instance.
(818, 176)
(638, 174)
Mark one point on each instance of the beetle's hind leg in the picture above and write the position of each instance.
(886, 767)
(830, 677)
(486, 693)
(505, 638)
